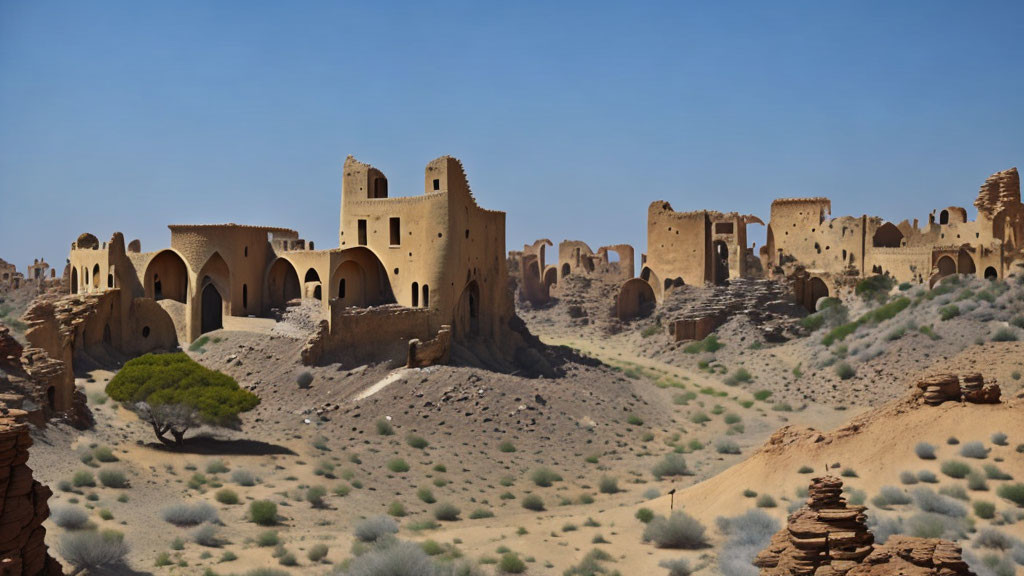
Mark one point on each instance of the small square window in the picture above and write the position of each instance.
(437, 184)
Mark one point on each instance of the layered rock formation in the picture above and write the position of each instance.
(829, 538)
(940, 388)
(23, 507)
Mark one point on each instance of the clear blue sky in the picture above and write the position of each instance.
(128, 116)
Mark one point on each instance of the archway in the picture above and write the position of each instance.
(166, 277)
(550, 277)
(991, 274)
(566, 270)
(944, 217)
(360, 280)
(311, 284)
(213, 308)
(946, 266)
(964, 263)
(283, 283)
(816, 290)
(636, 298)
(467, 313)
(887, 236)
(721, 251)
(74, 280)
(96, 276)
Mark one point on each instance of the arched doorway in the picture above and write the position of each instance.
(213, 308)
(965, 264)
(74, 280)
(944, 217)
(816, 290)
(283, 283)
(550, 277)
(991, 274)
(467, 314)
(351, 280)
(166, 277)
(721, 261)
(311, 284)
(635, 299)
(361, 280)
(946, 266)
(565, 270)
(96, 276)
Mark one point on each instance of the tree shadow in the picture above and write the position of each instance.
(210, 446)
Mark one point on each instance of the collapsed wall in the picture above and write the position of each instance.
(23, 507)
(827, 537)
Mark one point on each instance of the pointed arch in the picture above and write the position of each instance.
(166, 277)
(283, 283)
(467, 312)
(215, 272)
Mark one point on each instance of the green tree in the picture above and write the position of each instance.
(174, 393)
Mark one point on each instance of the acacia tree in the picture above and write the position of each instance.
(174, 394)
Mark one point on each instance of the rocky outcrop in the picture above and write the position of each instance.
(827, 537)
(1000, 191)
(935, 390)
(23, 507)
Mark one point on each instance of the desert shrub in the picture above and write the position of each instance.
(93, 551)
(927, 476)
(933, 525)
(267, 539)
(375, 528)
(174, 394)
(447, 512)
(315, 496)
(805, 469)
(954, 491)
(634, 420)
(928, 501)
(762, 395)
(545, 477)
(480, 513)
(907, 477)
(999, 439)
(69, 517)
(1012, 492)
(678, 531)
(507, 447)
(384, 427)
(993, 472)
(510, 563)
(394, 559)
(189, 515)
(677, 567)
(226, 496)
(992, 538)
(533, 502)
(955, 469)
(765, 501)
(317, 552)
(671, 465)
(263, 512)
(243, 478)
(699, 417)
(984, 510)
(874, 288)
(426, 495)
(925, 451)
(304, 379)
(890, 496)
(974, 450)
(645, 515)
(398, 465)
(1004, 334)
(113, 478)
(726, 446)
(845, 371)
(949, 312)
(216, 466)
(82, 478)
(418, 442)
(732, 418)
(206, 535)
(608, 485)
(747, 534)
(287, 559)
(104, 454)
(976, 481)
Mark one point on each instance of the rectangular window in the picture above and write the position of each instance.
(723, 227)
(362, 232)
(437, 184)
(396, 231)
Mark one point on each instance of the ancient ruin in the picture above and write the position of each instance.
(828, 537)
(405, 269)
(536, 279)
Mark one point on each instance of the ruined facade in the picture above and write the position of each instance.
(803, 239)
(10, 278)
(536, 278)
(405, 268)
